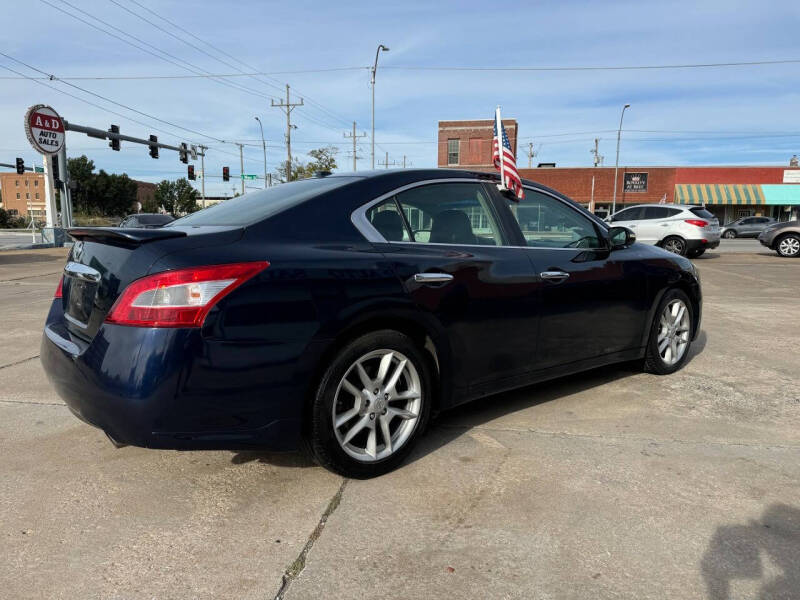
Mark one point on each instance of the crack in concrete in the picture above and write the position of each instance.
(32, 402)
(612, 438)
(298, 564)
(19, 362)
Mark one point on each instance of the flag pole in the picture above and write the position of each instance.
(499, 126)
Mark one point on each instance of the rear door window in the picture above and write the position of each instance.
(656, 212)
(449, 213)
(387, 219)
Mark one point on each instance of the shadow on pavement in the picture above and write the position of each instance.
(17, 258)
(297, 460)
(743, 551)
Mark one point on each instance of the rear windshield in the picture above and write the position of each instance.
(154, 219)
(256, 206)
(702, 212)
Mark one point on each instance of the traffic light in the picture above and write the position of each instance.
(20, 166)
(184, 153)
(190, 172)
(226, 173)
(153, 147)
(114, 143)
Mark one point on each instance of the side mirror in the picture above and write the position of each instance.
(621, 237)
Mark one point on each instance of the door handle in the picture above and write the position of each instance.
(433, 277)
(554, 276)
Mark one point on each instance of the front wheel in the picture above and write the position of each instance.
(674, 244)
(371, 405)
(789, 245)
(670, 334)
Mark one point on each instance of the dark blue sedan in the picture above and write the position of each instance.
(340, 312)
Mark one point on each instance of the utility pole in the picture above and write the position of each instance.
(203, 175)
(531, 154)
(241, 164)
(404, 162)
(385, 164)
(287, 107)
(355, 140)
(598, 160)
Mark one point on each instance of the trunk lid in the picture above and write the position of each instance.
(104, 260)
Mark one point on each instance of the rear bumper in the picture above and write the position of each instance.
(705, 244)
(171, 388)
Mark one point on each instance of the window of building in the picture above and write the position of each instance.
(16, 182)
(26, 183)
(37, 195)
(27, 195)
(17, 195)
(452, 151)
(35, 183)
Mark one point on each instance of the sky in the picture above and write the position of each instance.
(695, 116)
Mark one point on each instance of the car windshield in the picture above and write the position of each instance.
(154, 219)
(255, 206)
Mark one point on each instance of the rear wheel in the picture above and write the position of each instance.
(674, 244)
(372, 404)
(670, 334)
(729, 234)
(788, 245)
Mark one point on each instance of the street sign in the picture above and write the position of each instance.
(249, 177)
(45, 129)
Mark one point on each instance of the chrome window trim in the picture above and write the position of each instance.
(360, 221)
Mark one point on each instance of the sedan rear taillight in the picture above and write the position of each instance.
(697, 222)
(60, 289)
(180, 298)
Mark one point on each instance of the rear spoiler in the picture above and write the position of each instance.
(133, 237)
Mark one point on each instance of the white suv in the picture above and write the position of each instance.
(683, 229)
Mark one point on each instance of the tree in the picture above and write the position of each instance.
(176, 196)
(102, 193)
(323, 159)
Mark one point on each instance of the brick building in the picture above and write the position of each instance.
(728, 192)
(23, 194)
(468, 144)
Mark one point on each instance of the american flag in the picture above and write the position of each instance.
(510, 174)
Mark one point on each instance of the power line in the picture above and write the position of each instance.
(170, 58)
(201, 75)
(85, 91)
(598, 68)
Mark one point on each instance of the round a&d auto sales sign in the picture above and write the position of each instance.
(45, 129)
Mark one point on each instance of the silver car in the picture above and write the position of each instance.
(746, 227)
(784, 238)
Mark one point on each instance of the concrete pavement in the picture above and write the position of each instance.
(611, 484)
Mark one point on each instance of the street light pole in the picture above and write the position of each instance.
(263, 145)
(372, 82)
(616, 164)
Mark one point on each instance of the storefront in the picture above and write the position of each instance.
(729, 202)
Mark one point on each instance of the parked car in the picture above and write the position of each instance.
(683, 229)
(340, 312)
(784, 238)
(746, 227)
(146, 220)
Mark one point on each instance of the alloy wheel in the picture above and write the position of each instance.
(674, 245)
(673, 332)
(730, 234)
(377, 405)
(789, 246)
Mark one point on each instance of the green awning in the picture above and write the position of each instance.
(719, 193)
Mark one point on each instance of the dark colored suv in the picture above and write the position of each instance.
(746, 227)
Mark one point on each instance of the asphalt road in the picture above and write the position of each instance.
(611, 484)
(11, 239)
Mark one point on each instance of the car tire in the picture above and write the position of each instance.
(670, 334)
(788, 245)
(674, 244)
(696, 253)
(373, 414)
(729, 234)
